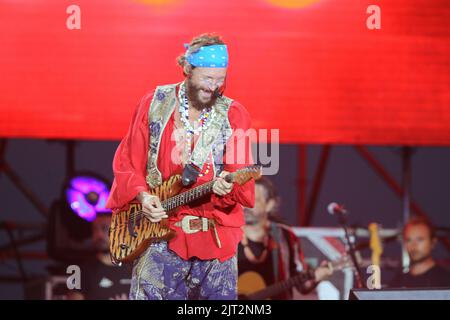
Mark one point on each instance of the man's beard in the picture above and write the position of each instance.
(419, 260)
(192, 92)
(250, 218)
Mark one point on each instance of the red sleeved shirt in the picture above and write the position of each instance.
(130, 170)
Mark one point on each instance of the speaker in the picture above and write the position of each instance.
(400, 294)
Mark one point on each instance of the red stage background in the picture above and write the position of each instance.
(314, 71)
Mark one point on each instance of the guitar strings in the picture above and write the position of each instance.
(177, 198)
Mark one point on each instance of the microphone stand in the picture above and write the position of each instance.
(358, 274)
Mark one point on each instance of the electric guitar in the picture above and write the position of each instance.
(251, 285)
(131, 232)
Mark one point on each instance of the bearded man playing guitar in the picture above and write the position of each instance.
(270, 258)
(185, 129)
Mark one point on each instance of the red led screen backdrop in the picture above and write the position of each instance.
(310, 68)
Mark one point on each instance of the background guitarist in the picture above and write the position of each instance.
(270, 249)
(188, 128)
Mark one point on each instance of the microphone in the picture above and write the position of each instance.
(339, 211)
(335, 209)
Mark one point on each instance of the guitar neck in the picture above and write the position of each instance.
(187, 196)
(240, 176)
(285, 285)
(279, 287)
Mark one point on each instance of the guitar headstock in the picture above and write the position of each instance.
(375, 243)
(243, 175)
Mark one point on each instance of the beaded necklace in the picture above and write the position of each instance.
(201, 124)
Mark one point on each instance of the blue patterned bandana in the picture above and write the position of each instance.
(215, 56)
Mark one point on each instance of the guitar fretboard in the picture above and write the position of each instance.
(187, 196)
(280, 287)
(299, 279)
(206, 188)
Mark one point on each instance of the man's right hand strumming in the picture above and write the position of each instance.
(151, 205)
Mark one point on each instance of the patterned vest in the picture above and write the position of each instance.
(213, 139)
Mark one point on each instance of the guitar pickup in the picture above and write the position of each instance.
(134, 221)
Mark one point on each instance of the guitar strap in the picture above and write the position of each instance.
(281, 253)
(275, 252)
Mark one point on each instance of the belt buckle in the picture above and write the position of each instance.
(186, 226)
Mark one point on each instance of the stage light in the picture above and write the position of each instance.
(87, 195)
(83, 196)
